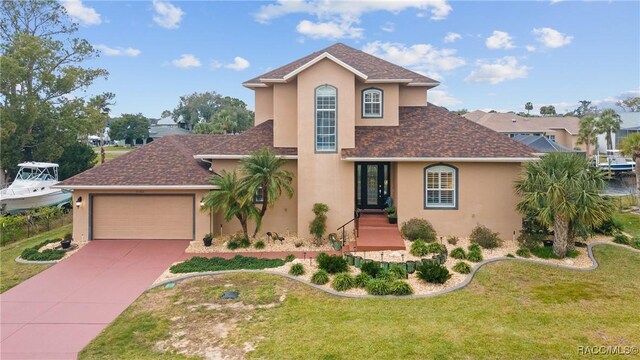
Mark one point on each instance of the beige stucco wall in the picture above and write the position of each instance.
(485, 196)
(81, 214)
(390, 101)
(413, 95)
(280, 218)
(285, 109)
(264, 104)
(323, 177)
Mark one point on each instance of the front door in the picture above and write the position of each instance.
(372, 185)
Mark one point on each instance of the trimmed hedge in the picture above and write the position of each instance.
(32, 253)
(201, 264)
(433, 273)
(484, 237)
(332, 264)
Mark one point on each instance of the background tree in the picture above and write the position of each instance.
(75, 159)
(562, 190)
(609, 122)
(165, 113)
(263, 174)
(588, 132)
(630, 145)
(204, 108)
(528, 106)
(129, 127)
(40, 66)
(460, 112)
(547, 110)
(99, 109)
(584, 108)
(231, 199)
(631, 104)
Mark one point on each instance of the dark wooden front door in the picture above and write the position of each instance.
(372, 185)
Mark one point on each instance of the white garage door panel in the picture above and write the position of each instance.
(142, 217)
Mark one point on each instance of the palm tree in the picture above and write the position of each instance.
(630, 145)
(563, 191)
(609, 122)
(264, 176)
(528, 106)
(588, 132)
(230, 198)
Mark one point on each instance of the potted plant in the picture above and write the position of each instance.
(66, 241)
(393, 218)
(207, 240)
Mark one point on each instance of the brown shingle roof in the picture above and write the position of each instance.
(433, 132)
(371, 66)
(169, 160)
(513, 123)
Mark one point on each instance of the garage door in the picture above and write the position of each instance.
(142, 217)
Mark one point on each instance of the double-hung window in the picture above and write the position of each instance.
(372, 103)
(326, 119)
(441, 187)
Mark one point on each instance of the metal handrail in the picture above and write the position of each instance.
(355, 219)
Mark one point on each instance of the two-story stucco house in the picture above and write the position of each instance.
(354, 129)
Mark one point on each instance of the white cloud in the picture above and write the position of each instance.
(500, 40)
(186, 61)
(388, 27)
(451, 37)
(423, 58)
(504, 69)
(531, 48)
(118, 51)
(329, 30)
(442, 97)
(238, 64)
(338, 18)
(551, 38)
(167, 15)
(81, 13)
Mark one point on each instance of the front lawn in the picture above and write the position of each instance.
(13, 273)
(510, 310)
(630, 223)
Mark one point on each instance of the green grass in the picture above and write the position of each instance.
(201, 264)
(13, 273)
(510, 310)
(546, 252)
(630, 223)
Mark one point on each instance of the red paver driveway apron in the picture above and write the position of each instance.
(58, 312)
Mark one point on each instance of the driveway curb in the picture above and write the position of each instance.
(459, 286)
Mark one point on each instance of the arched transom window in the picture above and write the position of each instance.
(372, 103)
(441, 187)
(326, 118)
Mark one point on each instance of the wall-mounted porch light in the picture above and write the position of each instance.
(79, 201)
(202, 202)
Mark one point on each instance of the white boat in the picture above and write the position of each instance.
(614, 161)
(32, 189)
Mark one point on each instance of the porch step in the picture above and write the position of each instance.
(376, 234)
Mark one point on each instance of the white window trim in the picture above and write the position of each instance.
(364, 95)
(441, 168)
(334, 149)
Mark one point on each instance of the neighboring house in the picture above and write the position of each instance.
(630, 124)
(541, 144)
(561, 129)
(165, 127)
(354, 130)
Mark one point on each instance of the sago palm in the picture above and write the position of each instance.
(263, 173)
(563, 190)
(230, 198)
(609, 122)
(630, 145)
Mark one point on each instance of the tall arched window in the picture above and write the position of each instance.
(372, 103)
(441, 187)
(326, 118)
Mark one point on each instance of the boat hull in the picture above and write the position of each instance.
(17, 204)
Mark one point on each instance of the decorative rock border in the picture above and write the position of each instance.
(23, 261)
(459, 286)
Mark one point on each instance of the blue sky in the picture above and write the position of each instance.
(487, 55)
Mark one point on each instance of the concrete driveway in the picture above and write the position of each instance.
(59, 311)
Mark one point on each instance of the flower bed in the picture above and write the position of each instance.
(219, 244)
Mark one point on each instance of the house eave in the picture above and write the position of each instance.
(442, 159)
(134, 187)
(237, 157)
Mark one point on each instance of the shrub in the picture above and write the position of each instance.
(318, 225)
(398, 271)
(378, 287)
(621, 239)
(510, 255)
(362, 279)
(474, 247)
(433, 273)
(298, 244)
(244, 242)
(332, 264)
(462, 267)
(343, 282)
(233, 244)
(415, 229)
(436, 248)
(259, 244)
(371, 268)
(296, 270)
(635, 242)
(484, 237)
(400, 288)
(419, 248)
(458, 253)
(320, 277)
(530, 241)
(609, 227)
(200, 264)
(453, 240)
(289, 258)
(523, 252)
(33, 254)
(68, 236)
(474, 255)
